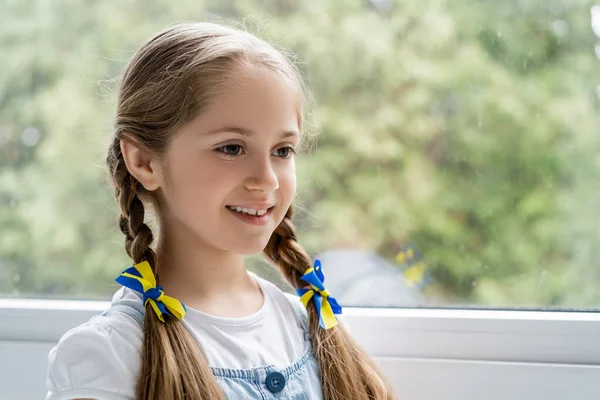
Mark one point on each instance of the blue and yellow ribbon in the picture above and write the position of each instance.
(141, 279)
(326, 305)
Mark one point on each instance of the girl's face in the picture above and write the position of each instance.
(236, 156)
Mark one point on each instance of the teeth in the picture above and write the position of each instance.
(249, 211)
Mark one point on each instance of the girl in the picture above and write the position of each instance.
(208, 121)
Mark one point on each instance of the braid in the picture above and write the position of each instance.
(284, 250)
(346, 370)
(184, 372)
(138, 235)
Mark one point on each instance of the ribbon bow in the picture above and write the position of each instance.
(141, 279)
(326, 309)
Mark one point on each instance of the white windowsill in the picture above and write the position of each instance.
(515, 336)
(467, 354)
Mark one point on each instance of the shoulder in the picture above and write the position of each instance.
(288, 302)
(98, 359)
(293, 303)
(294, 300)
(301, 310)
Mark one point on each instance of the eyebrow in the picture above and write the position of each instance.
(247, 132)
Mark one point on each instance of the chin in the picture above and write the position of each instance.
(249, 249)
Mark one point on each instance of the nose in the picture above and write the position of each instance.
(262, 176)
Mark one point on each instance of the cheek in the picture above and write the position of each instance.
(192, 189)
(287, 185)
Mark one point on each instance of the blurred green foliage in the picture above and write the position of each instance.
(467, 127)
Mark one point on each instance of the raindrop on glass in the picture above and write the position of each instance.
(595, 11)
(560, 28)
(30, 137)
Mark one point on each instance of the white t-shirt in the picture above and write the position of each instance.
(101, 358)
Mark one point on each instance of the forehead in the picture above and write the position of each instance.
(255, 99)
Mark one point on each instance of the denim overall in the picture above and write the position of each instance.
(298, 381)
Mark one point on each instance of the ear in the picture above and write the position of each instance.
(140, 165)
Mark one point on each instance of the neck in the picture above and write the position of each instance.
(198, 274)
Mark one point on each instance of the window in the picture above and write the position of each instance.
(455, 163)
(456, 166)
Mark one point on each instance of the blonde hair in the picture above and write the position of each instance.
(170, 80)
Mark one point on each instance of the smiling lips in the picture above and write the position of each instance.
(250, 211)
(253, 216)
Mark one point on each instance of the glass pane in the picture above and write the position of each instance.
(456, 164)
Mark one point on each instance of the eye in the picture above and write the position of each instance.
(285, 152)
(230, 149)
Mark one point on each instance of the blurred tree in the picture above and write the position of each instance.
(467, 128)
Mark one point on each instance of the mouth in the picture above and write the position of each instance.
(250, 212)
